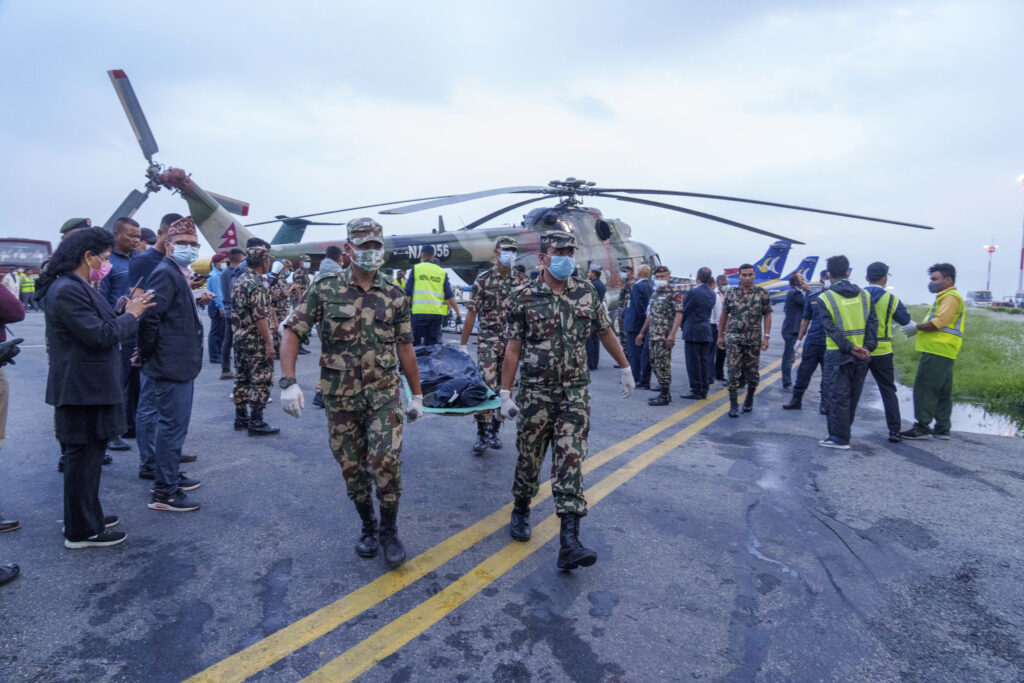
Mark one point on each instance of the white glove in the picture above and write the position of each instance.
(292, 400)
(415, 409)
(910, 329)
(280, 329)
(798, 347)
(508, 406)
(628, 383)
(464, 348)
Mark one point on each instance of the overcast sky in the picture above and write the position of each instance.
(906, 110)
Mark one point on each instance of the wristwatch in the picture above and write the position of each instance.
(286, 382)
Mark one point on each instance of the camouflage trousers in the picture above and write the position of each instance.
(254, 372)
(743, 361)
(563, 422)
(367, 444)
(490, 355)
(661, 362)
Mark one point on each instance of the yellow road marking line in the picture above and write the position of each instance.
(394, 635)
(278, 645)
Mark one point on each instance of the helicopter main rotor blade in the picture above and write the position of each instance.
(764, 203)
(495, 214)
(456, 198)
(351, 208)
(128, 208)
(133, 110)
(701, 214)
(235, 206)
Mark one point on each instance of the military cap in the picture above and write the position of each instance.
(559, 239)
(877, 270)
(506, 242)
(661, 269)
(361, 230)
(74, 224)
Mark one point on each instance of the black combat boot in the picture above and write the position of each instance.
(241, 417)
(571, 553)
(492, 434)
(795, 403)
(662, 399)
(481, 438)
(734, 404)
(394, 553)
(257, 427)
(519, 525)
(367, 545)
(748, 402)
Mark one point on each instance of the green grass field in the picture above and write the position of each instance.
(990, 368)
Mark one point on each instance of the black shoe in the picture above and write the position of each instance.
(571, 553)
(644, 385)
(368, 544)
(63, 461)
(318, 400)
(662, 399)
(117, 444)
(172, 502)
(394, 552)
(795, 403)
(915, 433)
(787, 387)
(103, 538)
(147, 474)
(693, 396)
(130, 434)
(227, 374)
(107, 459)
(721, 379)
(481, 439)
(241, 417)
(257, 427)
(492, 434)
(8, 573)
(895, 437)
(734, 404)
(188, 458)
(748, 402)
(186, 484)
(942, 436)
(9, 525)
(110, 520)
(519, 524)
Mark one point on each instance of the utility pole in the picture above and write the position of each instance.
(991, 249)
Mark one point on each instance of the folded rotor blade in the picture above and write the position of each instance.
(235, 206)
(127, 209)
(494, 214)
(350, 208)
(701, 214)
(764, 203)
(134, 111)
(456, 198)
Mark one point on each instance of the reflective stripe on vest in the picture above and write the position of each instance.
(851, 319)
(27, 284)
(428, 289)
(947, 341)
(884, 308)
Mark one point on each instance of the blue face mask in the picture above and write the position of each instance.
(184, 255)
(506, 258)
(622, 274)
(562, 267)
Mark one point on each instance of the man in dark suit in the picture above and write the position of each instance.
(636, 316)
(171, 349)
(697, 308)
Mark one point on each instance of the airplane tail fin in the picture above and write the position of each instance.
(773, 261)
(806, 268)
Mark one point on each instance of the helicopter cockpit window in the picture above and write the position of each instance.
(604, 231)
(655, 261)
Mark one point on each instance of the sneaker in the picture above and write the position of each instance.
(833, 443)
(188, 458)
(107, 459)
(172, 502)
(895, 437)
(186, 484)
(108, 521)
(118, 444)
(942, 435)
(147, 474)
(915, 433)
(100, 539)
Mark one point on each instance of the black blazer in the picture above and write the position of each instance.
(697, 307)
(82, 338)
(170, 334)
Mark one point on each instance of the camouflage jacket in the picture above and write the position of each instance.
(360, 329)
(491, 299)
(279, 299)
(250, 301)
(627, 285)
(745, 310)
(300, 277)
(553, 329)
(665, 303)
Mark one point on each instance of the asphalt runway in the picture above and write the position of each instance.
(729, 549)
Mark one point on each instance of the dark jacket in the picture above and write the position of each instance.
(793, 310)
(697, 307)
(847, 289)
(600, 287)
(227, 281)
(82, 338)
(11, 311)
(170, 333)
(636, 313)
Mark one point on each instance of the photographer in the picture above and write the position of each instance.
(11, 311)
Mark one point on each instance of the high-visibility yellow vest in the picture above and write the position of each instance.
(947, 341)
(28, 285)
(850, 315)
(884, 308)
(428, 289)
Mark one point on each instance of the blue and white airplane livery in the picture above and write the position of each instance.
(768, 271)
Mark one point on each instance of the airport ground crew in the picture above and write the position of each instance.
(811, 345)
(489, 304)
(662, 323)
(888, 309)
(939, 339)
(27, 287)
(548, 325)
(253, 342)
(744, 309)
(367, 332)
(851, 333)
(432, 297)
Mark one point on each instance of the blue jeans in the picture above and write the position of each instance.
(788, 354)
(145, 423)
(426, 329)
(174, 410)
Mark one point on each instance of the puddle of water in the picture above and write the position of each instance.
(966, 417)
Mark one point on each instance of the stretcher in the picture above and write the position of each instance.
(492, 402)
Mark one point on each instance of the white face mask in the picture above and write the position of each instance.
(660, 283)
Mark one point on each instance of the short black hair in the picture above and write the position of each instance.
(946, 269)
(236, 251)
(166, 221)
(745, 266)
(333, 252)
(123, 221)
(823, 274)
(256, 242)
(838, 265)
(794, 279)
(704, 275)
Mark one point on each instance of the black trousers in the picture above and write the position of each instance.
(882, 369)
(847, 383)
(83, 514)
(719, 355)
(215, 338)
(593, 351)
(225, 349)
(812, 357)
(426, 329)
(130, 377)
(697, 366)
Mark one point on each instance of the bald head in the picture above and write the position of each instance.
(643, 272)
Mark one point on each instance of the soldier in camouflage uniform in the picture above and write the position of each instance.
(253, 342)
(739, 333)
(367, 334)
(300, 280)
(549, 321)
(620, 314)
(489, 302)
(665, 314)
(279, 301)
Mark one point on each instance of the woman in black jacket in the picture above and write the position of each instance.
(84, 384)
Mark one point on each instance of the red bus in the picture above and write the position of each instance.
(22, 253)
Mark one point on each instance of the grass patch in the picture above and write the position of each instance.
(989, 370)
